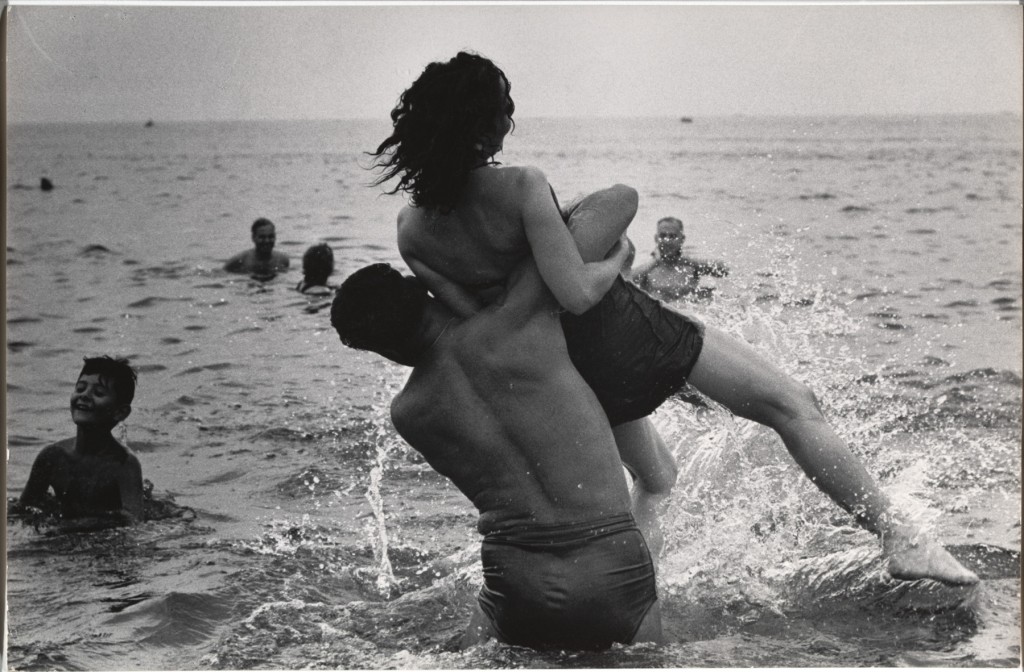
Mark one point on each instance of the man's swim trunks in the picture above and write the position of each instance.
(577, 586)
(632, 350)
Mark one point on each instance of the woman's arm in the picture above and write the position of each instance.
(575, 284)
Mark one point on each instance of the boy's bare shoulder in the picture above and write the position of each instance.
(56, 453)
(63, 447)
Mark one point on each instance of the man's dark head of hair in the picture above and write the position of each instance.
(379, 309)
(259, 224)
(115, 369)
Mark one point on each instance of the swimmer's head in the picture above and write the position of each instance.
(263, 236)
(379, 309)
(670, 236)
(317, 264)
(103, 392)
(452, 119)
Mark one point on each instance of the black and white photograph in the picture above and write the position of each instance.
(467, 335)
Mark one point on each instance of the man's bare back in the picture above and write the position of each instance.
(497, 406)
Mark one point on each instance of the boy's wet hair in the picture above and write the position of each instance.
(115, 369)
(439, 123)
(379, 309)
(318, 263)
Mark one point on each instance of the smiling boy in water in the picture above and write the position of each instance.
(91, 474)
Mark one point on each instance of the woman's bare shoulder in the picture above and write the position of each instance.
(519, 173)
(509, 185)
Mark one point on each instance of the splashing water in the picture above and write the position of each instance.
(383, 440)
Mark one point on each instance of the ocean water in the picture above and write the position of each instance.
(877, 259)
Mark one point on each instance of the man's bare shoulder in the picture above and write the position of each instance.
(239, 262)
(407, 407)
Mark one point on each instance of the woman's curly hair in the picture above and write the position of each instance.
(444, 126)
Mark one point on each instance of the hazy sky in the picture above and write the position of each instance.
(124, 62)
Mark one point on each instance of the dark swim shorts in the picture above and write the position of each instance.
(632, 350)
(576, 586)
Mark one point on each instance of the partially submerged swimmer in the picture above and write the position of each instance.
(317, 267)
(92, 475)
(670, 274)
(262, 262)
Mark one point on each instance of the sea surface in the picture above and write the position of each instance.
(878, 259)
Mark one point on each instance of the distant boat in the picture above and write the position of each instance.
(686, 120)
(149, 124)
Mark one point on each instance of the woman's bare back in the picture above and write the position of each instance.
(479, 242)
(503, 216)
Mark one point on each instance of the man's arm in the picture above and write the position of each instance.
(714, 268)
(237, 263)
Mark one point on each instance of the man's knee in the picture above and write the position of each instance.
(618, 201)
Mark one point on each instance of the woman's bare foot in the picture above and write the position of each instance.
(913, 555)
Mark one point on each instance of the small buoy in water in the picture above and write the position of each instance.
(45, 184)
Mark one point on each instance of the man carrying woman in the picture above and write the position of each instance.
(471, 222)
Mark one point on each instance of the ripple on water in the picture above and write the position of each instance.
(154, 300)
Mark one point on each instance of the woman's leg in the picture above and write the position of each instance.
(654, 472)
(735, 375)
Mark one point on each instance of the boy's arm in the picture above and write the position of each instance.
(34, 493)
(129, 482)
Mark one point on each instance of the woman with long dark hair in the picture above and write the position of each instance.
(471, 220)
